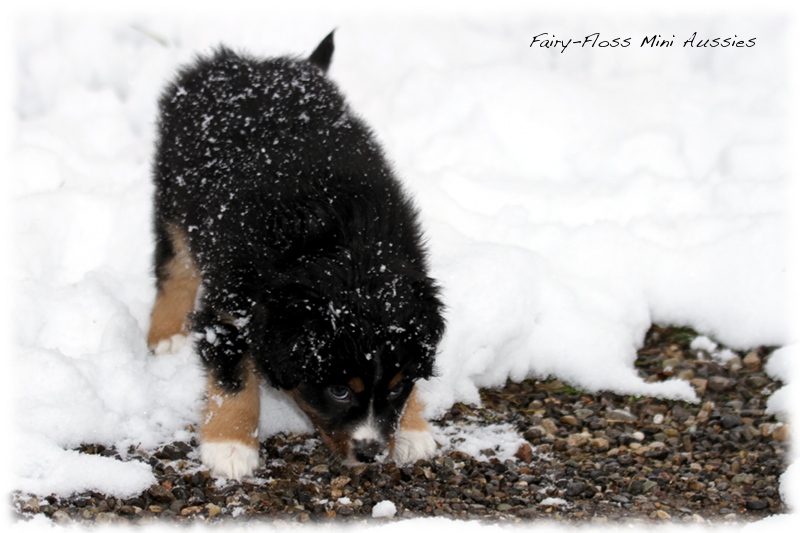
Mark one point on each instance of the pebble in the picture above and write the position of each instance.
(620, 415)
(756, 505)
(719, 383)
(730, 421)
(550, 426)
(569, 420)
(700, 385)
(752, 359)
(576, 440)
(781, 433)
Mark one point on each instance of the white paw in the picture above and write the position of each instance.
(172, 345)
(412, 445)
(231, 460)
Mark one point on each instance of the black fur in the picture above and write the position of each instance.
(310, 251)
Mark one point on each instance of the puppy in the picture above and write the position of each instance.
(287, 250)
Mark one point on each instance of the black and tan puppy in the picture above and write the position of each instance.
(287, 250)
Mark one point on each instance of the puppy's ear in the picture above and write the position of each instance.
(430, 323)
(321, 57)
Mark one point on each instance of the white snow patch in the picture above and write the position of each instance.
(783, 401)
(384, 509)
(560, 502)
(703, 343)
(474, 439)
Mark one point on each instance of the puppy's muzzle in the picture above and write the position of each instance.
(366, 450)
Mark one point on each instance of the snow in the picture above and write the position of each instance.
(384, 509)
(554, 501)
(570, 200)
(475, 439)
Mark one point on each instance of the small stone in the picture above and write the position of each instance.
(524, 453)
(583, 414)
(719, 383)
(161, 493)
(195, 509)
(635, 486)
(576, 440)
(61, 517)
(550, 426)
(534, 433)
(742, 479)
(535, 405)
(620, 415)
(750, 432)
(781, 433)
(752, 359)
(696, 486)
(757, 382)
(638, 435)
(699, 385)
(730, 421)
(686, 374)
(339, 482)
(109, 518)
(648, 486)
(574, 489)
(31, 506)
(503, 507)
(213, 510)
(599, 444)
(569, 420)
(756, 505)
(662, 515)
(658, 419)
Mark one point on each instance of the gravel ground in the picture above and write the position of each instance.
(589, 458)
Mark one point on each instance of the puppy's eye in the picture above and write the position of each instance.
(396, 391)
(340, 393)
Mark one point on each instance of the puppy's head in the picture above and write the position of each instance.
(350, 359)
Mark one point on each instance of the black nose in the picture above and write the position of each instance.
(365, 450)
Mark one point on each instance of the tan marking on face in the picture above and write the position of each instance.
(232, 417)
(395, 381)
(178, 282)
(357, 385)
(336, 441)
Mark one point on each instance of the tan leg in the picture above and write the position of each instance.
(178, 284)
(229, 433)
(413, 439)
(412, 419)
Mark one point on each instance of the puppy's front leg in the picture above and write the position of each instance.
(229, 433)
(413, 439)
